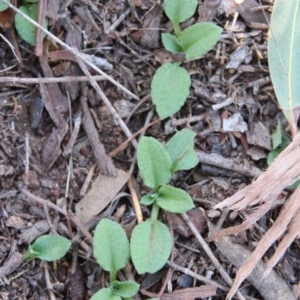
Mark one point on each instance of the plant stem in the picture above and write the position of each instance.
(154, 212)
(113, 276)
(176, 29)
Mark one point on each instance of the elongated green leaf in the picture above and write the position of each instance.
(275, 152)
(111, 246)
(26, 30)
(125, 289)
(283, 54)
(48, 247)
(171, 43)
(169, 89)
(151, 245)
(154, 162)
(3, 6)
(181, 150)
(179, 10)
(174, 199)
(276, 136)
(105, 294)
(198, 39)
(149, 199)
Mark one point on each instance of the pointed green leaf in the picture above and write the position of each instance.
(283, 54)
(198, 39)
(3, 6)
(111, 246)
(174, 199)
(181, 150)
(151, 245)
(178, 10)
(171, 43)
(125, 289)
(154, 162)
(275, 152)
(26, 30)
(48, 247)
(276, 136)
(105, 294)
(169, 89)
(149, 199)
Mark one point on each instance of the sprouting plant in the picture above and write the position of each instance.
(48, 247)
(151, 241)
(171, 83)
(112, 252)
(26, 30)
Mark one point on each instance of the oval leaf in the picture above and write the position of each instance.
(179, 11)
(26, 30)
(283, 54)
(198, 39)
(169, 89)
(50, 247)
(111, 246)
(125, 289)
(174, 199)
(154, 162)
(148, 199)
(181, 150)
(171, 43)
(151, 245)
(3, 6)
(105, 294)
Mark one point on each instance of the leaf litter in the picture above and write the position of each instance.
(59, 179)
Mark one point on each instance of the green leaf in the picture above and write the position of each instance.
(26, 30)
(283, 54)
(276, 136)
(275, 152)
(48, 247)
(171, 43)
(179, 11)
(149, 199)
(3, 6)
(181, 150)
(151, 245)
(125, 289)
(111, 246)
(105, 294)
(198, 39)
(169, 89)
(174, 199)
(154, 162)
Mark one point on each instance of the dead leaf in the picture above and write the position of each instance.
(191, 293)
(101, 194)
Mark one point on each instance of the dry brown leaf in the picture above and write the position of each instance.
(191, 293)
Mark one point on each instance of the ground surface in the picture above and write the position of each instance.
(35, 122)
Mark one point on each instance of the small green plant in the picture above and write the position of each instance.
(26, 30)
(279, 143)
(112, 252)
(151, 241)
(171, 83)
(48, 247)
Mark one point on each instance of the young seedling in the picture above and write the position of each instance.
(48, 247)
(151, 241)
(171, 83)
(112, 252)
(26, 30)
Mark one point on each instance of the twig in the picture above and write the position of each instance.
(27, 152)
(49, 79)
(209, 253)
(114, 25)
(136, 202)
(87, 180)
(48, 282)
(74, 51)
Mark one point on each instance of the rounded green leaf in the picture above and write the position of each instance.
(148, 199)
(169, 89)
(125, 289)
(181, 150)
(174, 199)
(198, 39)
(283, 55)
(50, 247)
(154, 162)
(26, 30)
(3, 6)
(151, 245)
(171, 43)
(111, 246)
(105, 294)
(179, 10)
